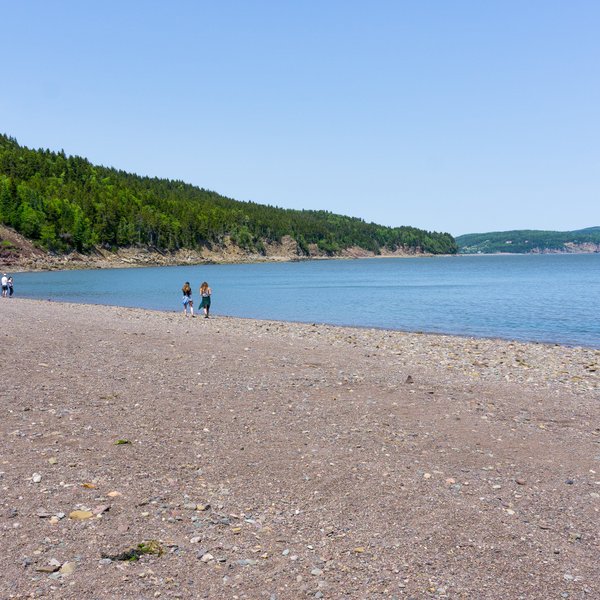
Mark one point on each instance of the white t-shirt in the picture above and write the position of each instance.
(4, 280)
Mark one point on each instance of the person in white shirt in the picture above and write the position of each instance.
(4, 285)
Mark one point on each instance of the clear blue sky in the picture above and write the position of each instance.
(459, 116)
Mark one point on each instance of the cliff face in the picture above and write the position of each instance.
(570, 248)
(19, 254)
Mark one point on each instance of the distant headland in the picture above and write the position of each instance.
(527, 241)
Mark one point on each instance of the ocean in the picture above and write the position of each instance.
(551, 298)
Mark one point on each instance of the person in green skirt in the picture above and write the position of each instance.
(205, 293)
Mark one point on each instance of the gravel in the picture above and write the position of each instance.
(301, 460)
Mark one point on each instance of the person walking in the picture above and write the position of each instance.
(205, 293)
(4, 283)
(187, 299)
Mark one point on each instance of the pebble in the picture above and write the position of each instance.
(67, 569)
(246, 562)
(36, 478)
(316, 572)
(207, 557)
(81, 515)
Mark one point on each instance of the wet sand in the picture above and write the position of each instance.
(280, 460)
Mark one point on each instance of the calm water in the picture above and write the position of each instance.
(550, 298)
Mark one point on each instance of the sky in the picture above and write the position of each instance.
(457, 116)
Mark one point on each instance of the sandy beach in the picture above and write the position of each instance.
(243, 459)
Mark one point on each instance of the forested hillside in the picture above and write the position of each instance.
(526, 241)
(65, 203)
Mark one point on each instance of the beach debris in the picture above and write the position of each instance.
(409, 380)
(135, 552)
(122, 442)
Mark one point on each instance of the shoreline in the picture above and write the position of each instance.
(565, 355)
(26, 257)
(267, 458)
(62, 264)
(462, 336)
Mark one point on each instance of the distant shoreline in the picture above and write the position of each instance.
(87, 262)
(525, 253)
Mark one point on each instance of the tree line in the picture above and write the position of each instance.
(66, 203)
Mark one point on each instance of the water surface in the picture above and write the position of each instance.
(548, 298)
